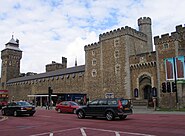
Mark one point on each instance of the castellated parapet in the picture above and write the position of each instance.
(144, 20)
(91, 46)
(165, 38)
(121, 32)
(180, 29)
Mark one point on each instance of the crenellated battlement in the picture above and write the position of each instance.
(144, 20)
(122, 31)
(166, 38)
(91, 46)
(180, 28)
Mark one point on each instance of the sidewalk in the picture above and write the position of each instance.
(151, 111)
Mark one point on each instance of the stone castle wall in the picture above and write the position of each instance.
(71, 83)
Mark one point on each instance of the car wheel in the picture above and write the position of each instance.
(109, 115)
(59, 110)
(74, 111)
(123, 116)
(81, 114)
(15, 113)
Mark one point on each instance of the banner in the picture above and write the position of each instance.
(179, 66)
(169, 68)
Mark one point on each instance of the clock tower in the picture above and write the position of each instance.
(11, 57)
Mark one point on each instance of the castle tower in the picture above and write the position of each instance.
(145, 27)
(11, 57)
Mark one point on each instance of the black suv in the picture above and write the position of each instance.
(109, 108)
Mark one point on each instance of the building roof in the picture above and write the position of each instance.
(12, 44)
(12, 41)
(59, 72)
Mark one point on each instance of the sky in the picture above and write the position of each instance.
(51, 29)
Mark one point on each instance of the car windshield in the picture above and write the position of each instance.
(23, 103)
(74, 104)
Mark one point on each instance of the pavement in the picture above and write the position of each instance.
(142, 110)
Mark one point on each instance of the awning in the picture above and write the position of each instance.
(42, 95)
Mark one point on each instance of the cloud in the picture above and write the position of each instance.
(50, 29)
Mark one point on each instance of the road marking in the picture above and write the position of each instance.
(46, 133)
(3, 118)
(51, 134)
(83, 132)
(117, 133)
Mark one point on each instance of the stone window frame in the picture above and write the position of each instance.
(93, 62)
(116, 54)
(117, 42)
(80, 74)
(94, 73)
(117, 68)
(165, 45)
(142, 59)
(93, 53)
(109, 95)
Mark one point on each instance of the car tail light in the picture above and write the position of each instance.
(120, 105)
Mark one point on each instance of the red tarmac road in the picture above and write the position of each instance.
(51, 123)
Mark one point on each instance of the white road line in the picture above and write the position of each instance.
(4, 118)
(59, 131)
(139, 134)
(51, 134)
(117, 133)
(83, 132)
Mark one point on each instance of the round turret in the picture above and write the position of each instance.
(144, 20)
(144, 24)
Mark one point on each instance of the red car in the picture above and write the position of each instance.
(67, 106)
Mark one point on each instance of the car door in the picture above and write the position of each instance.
(101, 107)
(13, 107)
(70, 107)
(65, 106)
(62, 106)
(92, 108)
(10, 108)
(6, 109)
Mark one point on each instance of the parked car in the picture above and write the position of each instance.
(18, 108)
(109, 108)
(67, 106)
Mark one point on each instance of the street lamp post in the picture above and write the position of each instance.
(175, 78)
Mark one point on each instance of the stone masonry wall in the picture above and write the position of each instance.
(73, 83)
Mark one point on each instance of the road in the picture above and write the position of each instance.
(51, 123)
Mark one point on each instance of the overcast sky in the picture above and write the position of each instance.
(50, 29)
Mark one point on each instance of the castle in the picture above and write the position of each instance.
(121, 64)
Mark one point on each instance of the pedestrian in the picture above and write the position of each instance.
(46, 104)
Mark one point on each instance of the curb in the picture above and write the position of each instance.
(150, 111)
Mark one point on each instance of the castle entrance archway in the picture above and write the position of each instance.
(145, 87)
